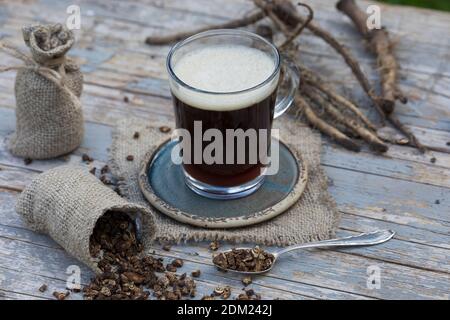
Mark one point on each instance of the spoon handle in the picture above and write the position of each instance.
(363, 239)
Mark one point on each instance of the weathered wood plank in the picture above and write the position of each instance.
(11, 295)
(381, 215)
(347, 272)
(194, 246)
(29, 284)
(51, 263)
(387, 167)
(148, 85)
(103, 104)
(395, 196)
(423, 231)
(98, 138)
(325, 14)
(192, 266)
(101, 140)
(396, 251)
(100, 103)
(331, 61)
(110, 76)
(406, 233)
(415, 229)
(350, 188)
(35, 261)
(140, 83)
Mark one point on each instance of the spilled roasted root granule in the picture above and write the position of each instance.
(250, 260)
(49, 37)
(127, 274)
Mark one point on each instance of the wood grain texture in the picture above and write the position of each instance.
(40, 251)
(400, 190)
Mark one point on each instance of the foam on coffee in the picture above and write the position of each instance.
(224, 68)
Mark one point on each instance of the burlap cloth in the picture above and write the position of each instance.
(313, 217)
(49, 116)
(66, 202)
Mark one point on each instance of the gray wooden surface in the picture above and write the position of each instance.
(398, 190)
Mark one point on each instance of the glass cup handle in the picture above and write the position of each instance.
(289, 85)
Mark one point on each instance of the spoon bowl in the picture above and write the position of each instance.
(363, 239)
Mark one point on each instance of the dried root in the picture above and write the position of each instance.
(324, 127)
(298, 30)
(238, 23)
(381, 46)
(286, 12)
(314, 80)
(411, 137)
(345, 114)
(265, 31)
(355, 127)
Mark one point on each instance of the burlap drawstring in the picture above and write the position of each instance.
(45, 69)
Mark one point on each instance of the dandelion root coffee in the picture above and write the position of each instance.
(128, 274)
(249, 260)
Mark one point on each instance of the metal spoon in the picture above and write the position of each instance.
(363, 239)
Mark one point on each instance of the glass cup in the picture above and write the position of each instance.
(202, 115)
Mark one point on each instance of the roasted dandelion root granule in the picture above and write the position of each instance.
(127, 274)
(250, 260)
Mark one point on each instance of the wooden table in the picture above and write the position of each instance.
(400, 190)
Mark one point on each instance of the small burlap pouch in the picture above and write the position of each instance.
(66, 203)
(313, 217)
(49, 119)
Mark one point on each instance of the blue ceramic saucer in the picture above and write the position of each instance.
(162, 183)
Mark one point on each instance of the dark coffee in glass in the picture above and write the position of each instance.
(224, 86)
(257, 116)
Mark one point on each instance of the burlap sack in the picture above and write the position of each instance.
(49, 119)
(66, 203)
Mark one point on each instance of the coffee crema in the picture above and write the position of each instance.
(225, 69)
